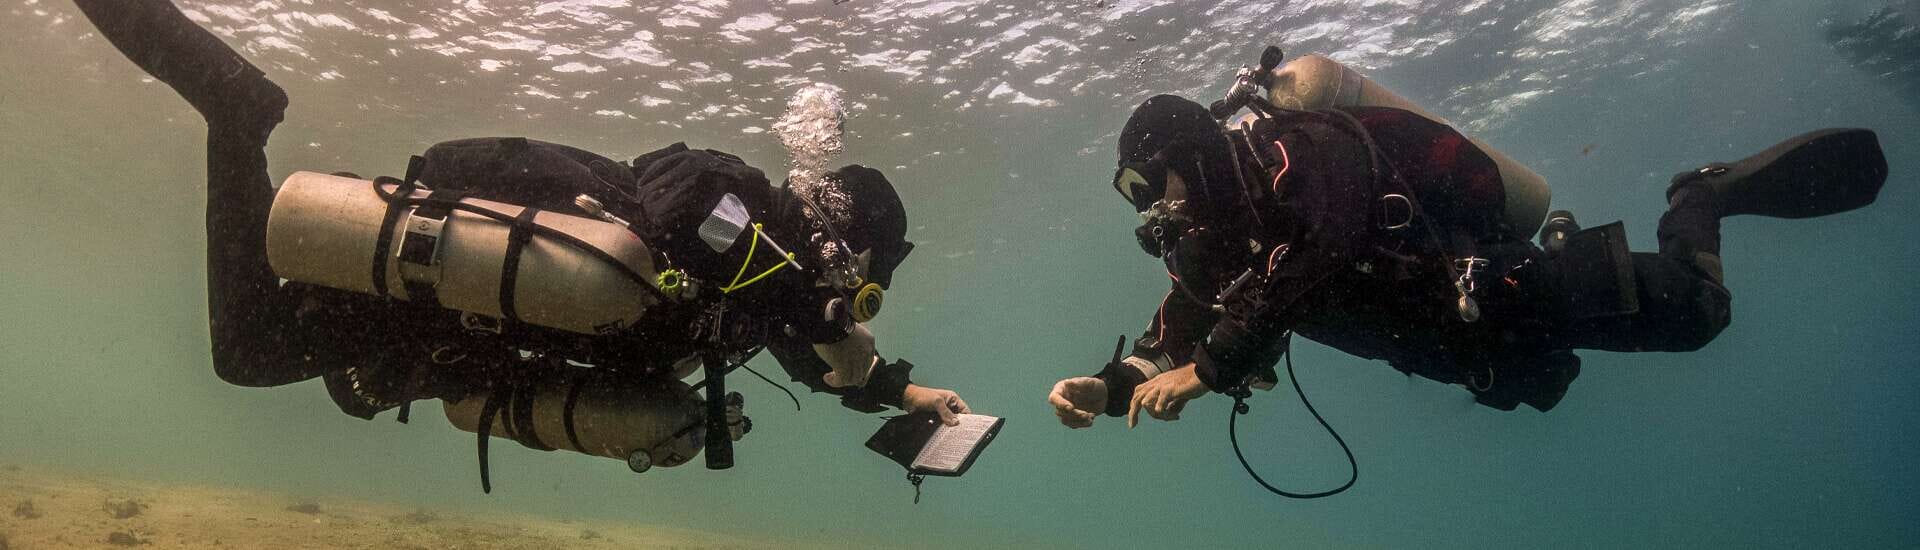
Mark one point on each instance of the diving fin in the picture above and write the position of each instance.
(1814, 174)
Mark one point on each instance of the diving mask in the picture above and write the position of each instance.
(1142, 183)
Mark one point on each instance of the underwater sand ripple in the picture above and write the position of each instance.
(81, 511)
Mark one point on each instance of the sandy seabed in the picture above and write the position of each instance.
(43, 509)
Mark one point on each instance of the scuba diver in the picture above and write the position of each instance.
(1345, 214)
(546, 294)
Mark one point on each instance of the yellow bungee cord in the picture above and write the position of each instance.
(736, 284)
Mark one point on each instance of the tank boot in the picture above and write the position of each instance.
(1553, 235)
(1814, 174)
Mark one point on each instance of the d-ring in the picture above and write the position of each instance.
(1386, 211)
(1478, 387)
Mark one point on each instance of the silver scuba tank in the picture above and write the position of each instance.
(646, 422)
(325, 230)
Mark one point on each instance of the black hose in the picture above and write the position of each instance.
(796, 400)
(1240, 407)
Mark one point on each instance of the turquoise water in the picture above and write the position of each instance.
(1795, 428)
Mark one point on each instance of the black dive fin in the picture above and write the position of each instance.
(1814, 174)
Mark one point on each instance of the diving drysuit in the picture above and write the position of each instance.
(377, 353)
(1379, 232)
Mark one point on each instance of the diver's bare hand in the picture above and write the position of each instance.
(1077, 401)
(852, 358)
(938, 401)
(1164, 396)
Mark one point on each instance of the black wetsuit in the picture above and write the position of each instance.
(1348, 281)
(269, 333)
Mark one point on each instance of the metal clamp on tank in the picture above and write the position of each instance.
(419, 250)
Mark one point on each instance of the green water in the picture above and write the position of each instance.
(1795, 428)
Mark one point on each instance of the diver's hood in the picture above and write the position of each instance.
(1191, 144)
(873, 222)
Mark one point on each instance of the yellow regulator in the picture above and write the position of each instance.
(867, 302)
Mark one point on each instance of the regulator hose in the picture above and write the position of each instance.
(1240, 407)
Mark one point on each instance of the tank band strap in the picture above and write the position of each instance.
(521, 419)
(573, 399)
(439, 204)
(383, 244)
(517, 238)
(397, 203)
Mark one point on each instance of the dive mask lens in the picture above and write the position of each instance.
(1141, 183)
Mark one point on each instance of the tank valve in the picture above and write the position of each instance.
(738, 425)
(1553, 237)
(597, 209)
(640, 462)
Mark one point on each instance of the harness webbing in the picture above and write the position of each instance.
(517, 237)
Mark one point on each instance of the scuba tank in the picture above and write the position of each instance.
(1314, 82)
(542, 268)
(646, 422)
